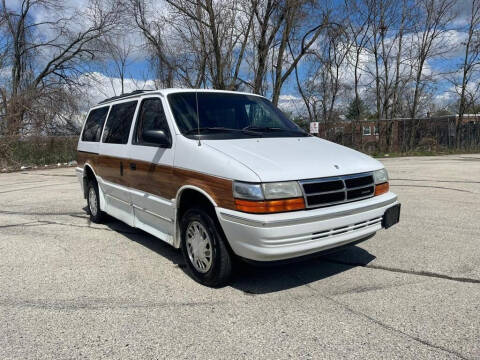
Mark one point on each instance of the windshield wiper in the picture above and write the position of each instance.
(263, 128)
(271, 129)
(206, 129)
(219, 129)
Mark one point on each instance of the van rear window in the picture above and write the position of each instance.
(94, 124)
(119, 122)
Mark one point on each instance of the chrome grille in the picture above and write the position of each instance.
(337, 190)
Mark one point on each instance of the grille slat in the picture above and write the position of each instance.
(323, 186)
(337, 190)
(359, 181)
(327, 192)
(335, 197)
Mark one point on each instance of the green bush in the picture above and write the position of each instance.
(37, 150)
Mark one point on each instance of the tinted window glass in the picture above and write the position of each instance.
(151, 117)
(118, 124)
(222, 115)
(94, 124)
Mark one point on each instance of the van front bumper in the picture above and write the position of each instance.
(273, 237)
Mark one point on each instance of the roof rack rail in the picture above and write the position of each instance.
(133, 93)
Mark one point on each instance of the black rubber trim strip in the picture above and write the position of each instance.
(88, 152)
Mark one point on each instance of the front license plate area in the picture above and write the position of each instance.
(391, 216)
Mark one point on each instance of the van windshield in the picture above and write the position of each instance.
(229, 116)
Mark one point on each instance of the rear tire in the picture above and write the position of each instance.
(204, 250)
(93, 201)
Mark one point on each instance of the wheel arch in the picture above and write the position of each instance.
(88, 173)
(184, 188)
(187, 195)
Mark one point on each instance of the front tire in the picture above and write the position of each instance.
(203, 248)
(93, 201)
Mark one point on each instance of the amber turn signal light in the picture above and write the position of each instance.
(270, 206)
(381, 188)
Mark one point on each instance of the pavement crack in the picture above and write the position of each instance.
(382, 324)
(23, 182)
(30, 223)
(398, 331)
(439, 181)
(6, 212)
(50, 222)
(404, 271)
(432, 187)
(364, 289)
(98, 304)
(89, 227)
(59, 175)
(34, 187)
(79, 216)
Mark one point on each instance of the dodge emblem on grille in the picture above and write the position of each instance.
(336, 166)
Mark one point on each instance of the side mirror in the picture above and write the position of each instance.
(157, 137)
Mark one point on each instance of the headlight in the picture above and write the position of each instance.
(268, 198)
(380, 176)
(247, 191)
(267, 191)
(281, 190)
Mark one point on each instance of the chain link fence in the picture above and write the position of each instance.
(399, 136)
(405, 136)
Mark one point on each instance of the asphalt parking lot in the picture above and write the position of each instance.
(72, 289)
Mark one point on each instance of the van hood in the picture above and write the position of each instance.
(282, 159)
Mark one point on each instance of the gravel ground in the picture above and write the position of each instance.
(72, 289)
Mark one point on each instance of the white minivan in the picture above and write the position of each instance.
(223, 174)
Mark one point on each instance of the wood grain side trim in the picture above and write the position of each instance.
(107, 167)
(113, 169)
(165, 181)
(160, 180)
(84, 156)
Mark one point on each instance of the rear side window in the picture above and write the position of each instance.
(150, 117)
(94, 124)
(118, 124)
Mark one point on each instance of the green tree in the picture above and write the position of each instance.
(356, 110)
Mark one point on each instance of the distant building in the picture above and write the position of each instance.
(395, 134)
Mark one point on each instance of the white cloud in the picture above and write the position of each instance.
(97, 86)
(452, 94)
(444, 98)
(5, 74)
(291, 104)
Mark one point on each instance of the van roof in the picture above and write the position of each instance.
(164, 92)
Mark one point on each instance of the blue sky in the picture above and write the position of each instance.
(449, 60)
(138, 68)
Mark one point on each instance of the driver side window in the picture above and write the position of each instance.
(150, 117)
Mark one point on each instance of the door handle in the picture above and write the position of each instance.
(133, 166)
